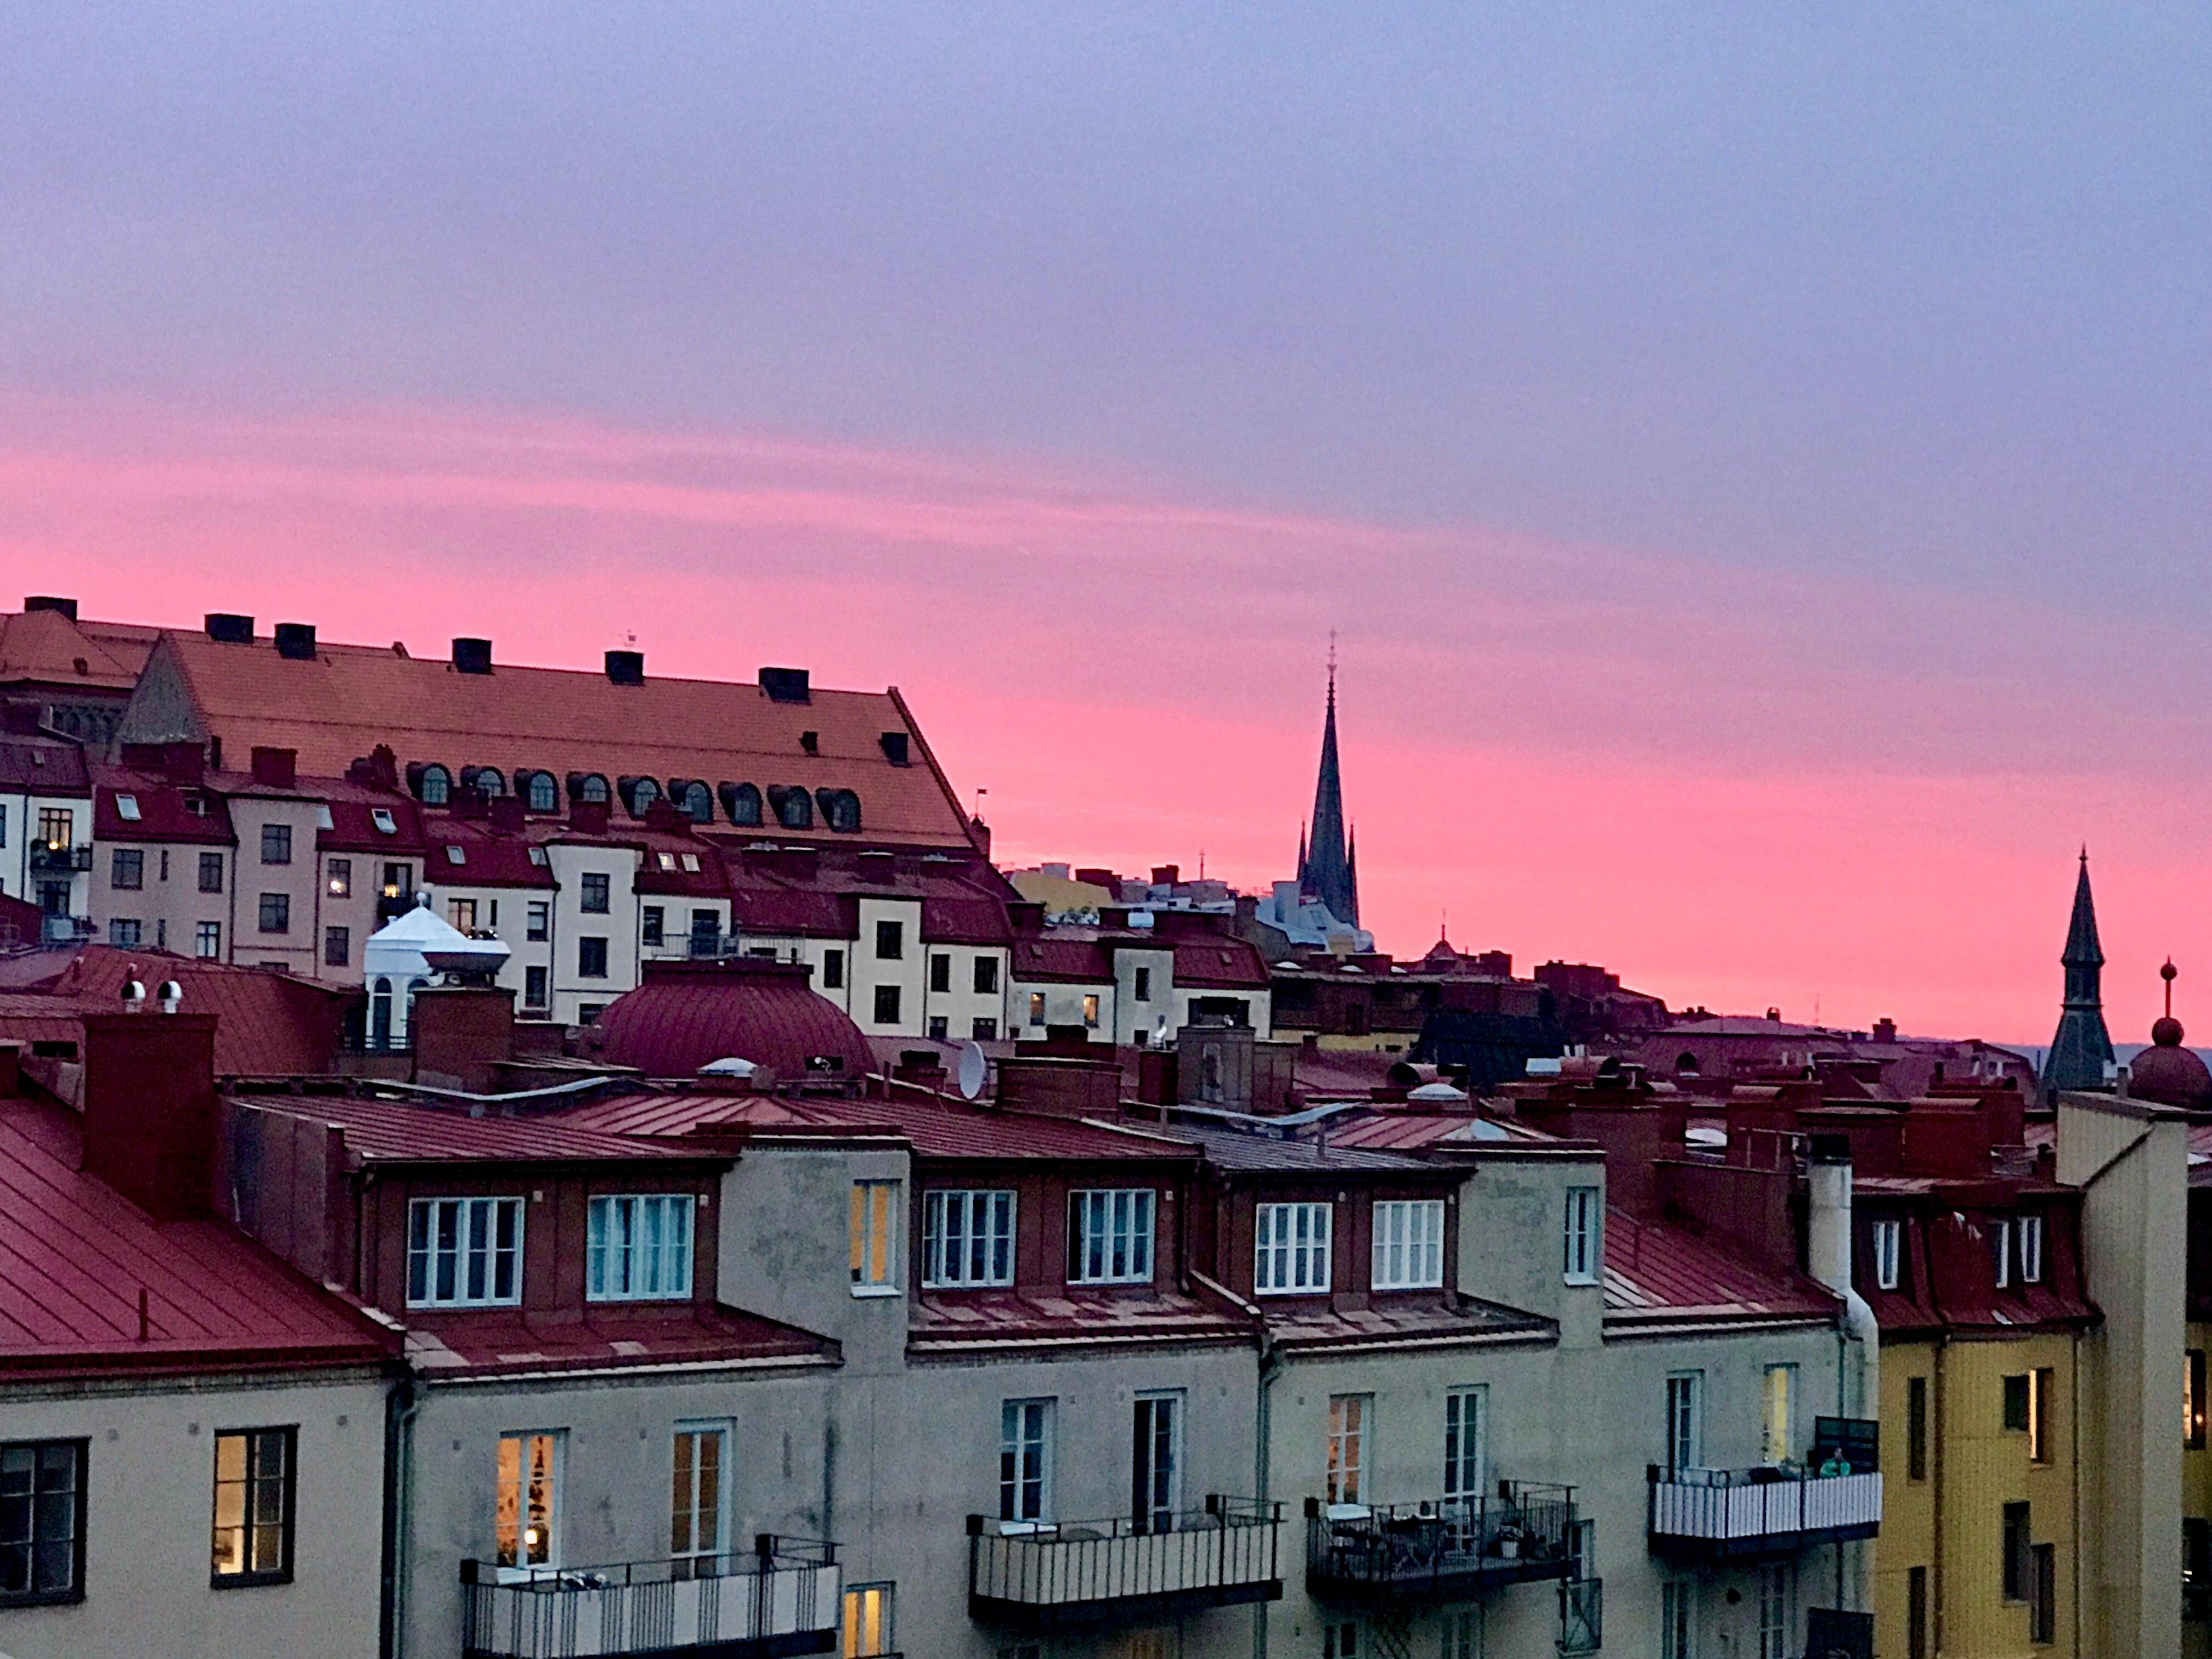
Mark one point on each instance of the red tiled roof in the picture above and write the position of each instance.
(347, 700)
(490, 857)
(1652, 1269)
(1218, 962)
(39, 766)
(397, 1132)
(1064, 956)
(687, 1015)
(161, 812)
(43, 648)
(75, 1256)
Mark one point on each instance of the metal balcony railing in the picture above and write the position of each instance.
(64, 930)
(1052, 1575)
(55, 860)
(1761, 1510)
(781, 1599)
(1445, 1549)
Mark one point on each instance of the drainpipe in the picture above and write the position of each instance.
(400, 1407)
(1828, 1259)
(1271, 1367)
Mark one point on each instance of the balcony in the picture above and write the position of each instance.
(66, 930)
(1708, 1513)
(1445, 1550)
(51, 860)
(783, 1599)
(1035, 1577)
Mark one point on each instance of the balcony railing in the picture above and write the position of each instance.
(1759, 1511)
(1447, 1549)
(1038, 1576)
(783, 1599)
(55, 860)
(66, 930)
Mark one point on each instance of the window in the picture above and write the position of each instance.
(2000, 1251)
(588, 1011)
(2043, 1594)
(840, 810)
(398, 880)
(939, 1027)
(385, 823)
(337, 946)
(1777, 1601)
(276, 843)
(1678, 1618)
(126, 808)
(1091, 1010)
(2196, 1568)
(694, 1507)
(210, 872)
(543, 794)
(1582, 1241)
(983, 1029)
(890, 940)
(533, 987)
(887, 1005)
(1339, 1639)
(794, 807)
(436, 787)
(639, 1249)
(57, 828)
(2043, 1388)
(590, 788)
(986, 976)
(253, 1487)
(742, 802)
(591, 958)
(875, 1203)
(340, 872)
(276, 913)
(207, 941)
(2015, 1545)
(706, 930)
(652, 923)
(2192, 1399)
(126, 869)
(1025, 1460)
(1685, 1424)
(1348, 1416)
(465, 1253)
(1409, 1244)
(1916, 1613)
(1110, 1237)
(593, 893)
(4, 825)
(380, 1014)
(867, 1621)
(940, 972)
(1156, 1462)
(2031, 1249)
(528, 1518)
(1889, 1248)
(1777, 1428)
(1464, 1448)
(538, 921)
(1915, 1428)
(1141, 991)
(41, 1521)
(2015, 1403)
(1036, 1007)
(833, 970)
(462, 913)
(123, 933)
(1291, 1252)
(967, 1238)
(486, 781)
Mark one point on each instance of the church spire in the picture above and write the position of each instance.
(1326, 869)
(2082, 1048)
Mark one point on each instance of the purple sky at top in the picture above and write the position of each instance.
(1756, 456)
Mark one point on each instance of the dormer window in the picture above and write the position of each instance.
(465, 1253)
(2031, 1249)
(1291, 1252)
(1110, 1238)
(1888, 1254)
(666, 860)
(537, 856)
(637, 795)
(488, 781)
(457, 855)
(588, 787)
(690, 862)
(382, 818)
(967, 1239)
(196, 805)
(323, 818)
(697, 801)
(1409, 1244)
(840, 810)
(741, 804)
(794, 806)
(639, 1249)
(126, 808)
(543, 794)
(2001, 1251)
(434, 787)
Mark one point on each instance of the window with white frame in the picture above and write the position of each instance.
(874, 1206)
(1291, 1251)
(1686, 1420)
(967, 1238)
(1463, 1443)
(638, 1248)
(1110, 1237)
(1025, 1460)
(2031, 1249)
(1888, 1254)
(867, 1621)
(526, 1515)
(697, 1499)
(1776, 1602)
(1581, 1251)
(1409, 1244)
(2001, 1251)
(1349, 1416)
(465, 1253)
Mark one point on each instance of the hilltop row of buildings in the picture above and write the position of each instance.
(701, 1207)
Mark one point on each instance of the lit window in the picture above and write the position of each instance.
(639, 1249)
(1036, 1007)
(694, 1514)
(41, 1521)
(1581, 1256)
(382, 818)
(967, 1238)
(874, 1205)
(2031, 1249)
(666, 860)
(1025, 1460)
(1291, 1252)
(867, 1622)
(1110, 1238)
(341, 878)
(253, 1507)
(1781, 1388)
(529, 1500)
(1347, 1446)
(1091, 1010)
(126, 808)
(2192, 1399)
(1409, 1244)
(1888, 1254)
(465, 1253)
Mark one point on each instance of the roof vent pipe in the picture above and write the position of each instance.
(471, 656)
(172, 996)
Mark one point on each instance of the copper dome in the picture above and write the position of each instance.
(2169, 1073)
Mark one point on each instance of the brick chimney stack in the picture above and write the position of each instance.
(150, 1113)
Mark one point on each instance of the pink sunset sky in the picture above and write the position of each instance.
(1754, 463)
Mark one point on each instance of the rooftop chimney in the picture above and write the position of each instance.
(276, 769)
(785, 685)
(50, 602)
(507, 812)
(895, 748)
(626, 667)
(296, 641)
(228, 627)
(149, 1109)
(471, 656)
(1166, 875)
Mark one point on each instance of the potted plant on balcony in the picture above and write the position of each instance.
(1506, 1541)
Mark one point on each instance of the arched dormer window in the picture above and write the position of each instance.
(637, 795)
(539, 793)
(434, 785)
(1686, 1063)
(741, 803)
(698, 802)
(586, 788)
(840, 810)
(489, 780)
(793, 807)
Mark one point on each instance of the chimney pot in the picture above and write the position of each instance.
(626, 667)
(785, 685)
(228, 627)
(276, 769)
(471, 656)
(52, 602)
(296, 641)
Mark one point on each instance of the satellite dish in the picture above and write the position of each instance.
(973, 1068)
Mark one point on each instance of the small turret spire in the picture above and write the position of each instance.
(2082, 1048)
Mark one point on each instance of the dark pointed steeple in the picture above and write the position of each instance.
(1325, 862)
(2082, 1048)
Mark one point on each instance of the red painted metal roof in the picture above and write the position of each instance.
(400, 1132)
(687, 1015)
(73, 1256)
(267, 1024)
(952, 1323)
(42, 766)
(1654, 1268)
(684, 1334)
